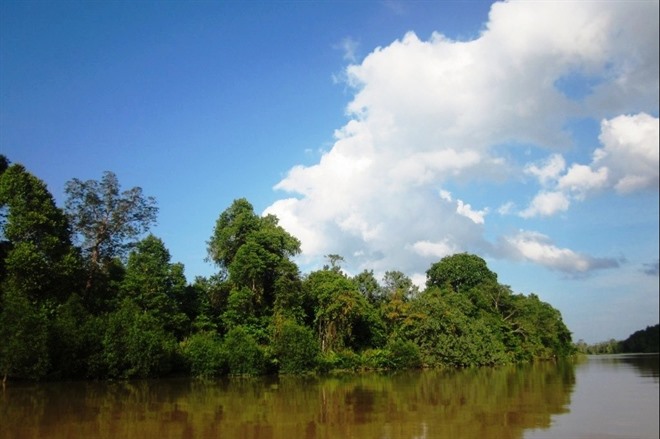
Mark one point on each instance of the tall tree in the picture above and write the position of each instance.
(460, 272)
(254, 252)
(37, 270)
(107, 220)
(39, 260)
(154, 284)
(231, 231)
(339, 309)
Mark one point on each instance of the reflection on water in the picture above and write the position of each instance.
(541, 400)
(616, 396)
(497, 403)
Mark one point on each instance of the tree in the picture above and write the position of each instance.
(106, 220)
(368, 286)
(645, 340)
(154, 284)
(38, 257)
(460, 272)
(23, 338)
(231, 231)
(296, 348)
(135, 345)
(338, 308)
(254, 252)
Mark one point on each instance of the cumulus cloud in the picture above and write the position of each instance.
(626, 162)
(442, 113)
(549, 170)
(538, 248)
(630, 152)
(546, 204)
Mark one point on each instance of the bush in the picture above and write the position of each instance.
(296, 348)
(376, 359)
(244, 356)
(135, 345)
(204, 355)
(404, 354)
(24, 335)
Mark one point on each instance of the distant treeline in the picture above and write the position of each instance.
(642, 341)
(87, 293)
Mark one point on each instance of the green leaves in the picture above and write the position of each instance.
(460, 272)
(39, 260)
(106, 219)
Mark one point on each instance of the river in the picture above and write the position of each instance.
(599, 397)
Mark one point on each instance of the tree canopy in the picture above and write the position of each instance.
(85, 294)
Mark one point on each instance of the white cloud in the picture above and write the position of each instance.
(546, 204)
(506, 208)
(627, 162)
(549, 170)
(349, 47)
(477, 216)
(440, 113)
(630, 152)
(582, 179)
(539, 249)
(435, 249)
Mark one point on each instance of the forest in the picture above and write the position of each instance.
(88, 293)
(644, 341)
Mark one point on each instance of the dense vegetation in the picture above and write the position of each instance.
(643, 341)
(84, 297)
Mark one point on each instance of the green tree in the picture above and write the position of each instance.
(460, 272)
(156, 285)
(106, 220)
(231, 231)
(339, 308)
(253, 253)
(296, 348)
(23, 337)
(369, 287)
(440, 323)
(205, 355)
(38, 258)
(135, 344)
(244, 355)
(645, 340)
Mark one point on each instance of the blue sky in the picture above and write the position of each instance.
(391, 133)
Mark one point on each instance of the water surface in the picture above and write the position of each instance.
(603, 397)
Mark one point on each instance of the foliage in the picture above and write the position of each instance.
(106, 222)
(135, 345)
(296, 348)
(244, 355)
(204, 354)
(403, 354)
(106, 219)
(339, 309)
(645, 340)
(254, 253)
(155, 285)
(122, 317)
(460, 272)
(24, 335)
(38, 258)
(75, 342)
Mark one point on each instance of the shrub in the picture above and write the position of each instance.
(244, 356)
(204, 355)
(404, 354)
(136, 345)
(296, 348)
(376, 359)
